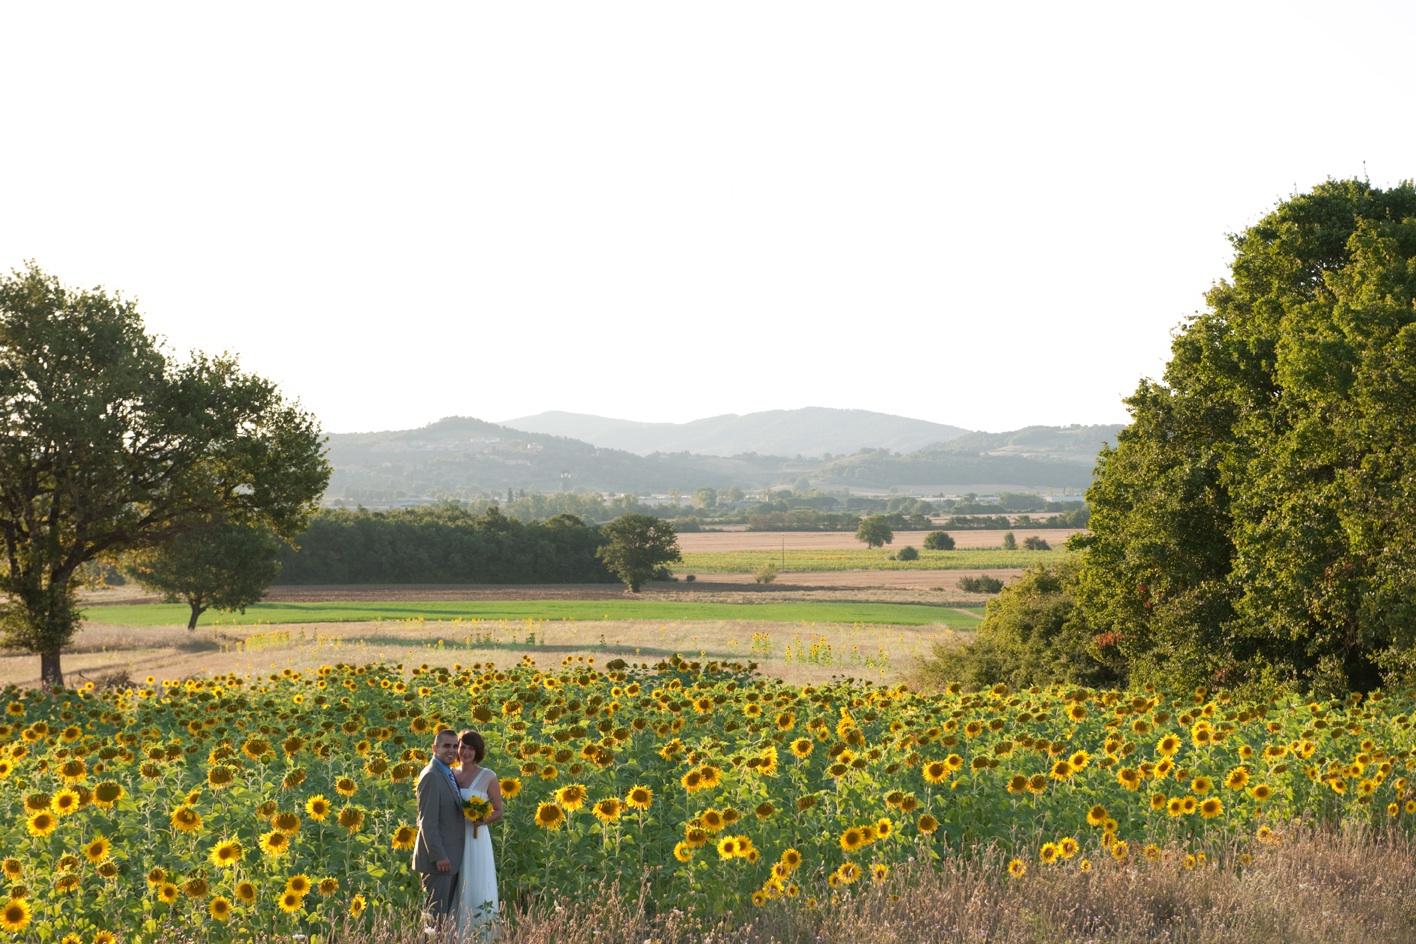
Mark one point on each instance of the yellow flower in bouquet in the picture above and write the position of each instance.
(476, 809)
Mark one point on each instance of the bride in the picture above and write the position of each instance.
(476, 904)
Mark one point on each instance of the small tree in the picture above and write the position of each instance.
(215, 565)
(907, 553)
(938, 541)
(1010, 543)
(874, 532)
(1035, 543)
(639, 548)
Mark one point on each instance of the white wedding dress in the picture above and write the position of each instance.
(477, 881)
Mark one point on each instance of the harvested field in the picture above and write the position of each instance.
(879, 586)
(818, 651)
(720, 541)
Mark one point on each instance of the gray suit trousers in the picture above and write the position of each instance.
(440, 892)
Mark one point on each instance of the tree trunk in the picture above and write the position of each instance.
(197, 610)
(50, 675)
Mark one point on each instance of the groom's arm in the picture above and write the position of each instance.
(427, 823)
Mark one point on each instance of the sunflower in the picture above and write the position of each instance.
(168, 892)
(219, 908)
(639, 797)
(935, 771)
(1129, 778)
(290, 902)
(852, 839)
(220, 777)
(357, 904)
(15, 916)
(1048, 853)
(345, 787)
(288, 823)
(1211, 807)
(246, 892)
(13, 869)
(299, 883)
(550, 816)
(275, 843)
(318, 807)
(196, 887)
(572, 796)
(67, 883)
(351, 818)
(1237, 779)
(42, 824)
(1168, 745)
(608, 810)
(1096, 816)
(107, 794)
(510, 787)
(186, 820)
(802, 747)
(879, 872)
(327, 886)
(97, 850)
(928, 824)
(66, 801)
(404, 837)
(1261, 791)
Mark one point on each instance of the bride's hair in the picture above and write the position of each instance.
(474, 740)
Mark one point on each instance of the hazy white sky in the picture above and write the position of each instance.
(989, 215)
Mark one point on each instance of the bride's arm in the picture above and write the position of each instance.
(495, 798)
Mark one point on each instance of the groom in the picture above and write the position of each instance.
(438, 852)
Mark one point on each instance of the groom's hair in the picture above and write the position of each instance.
(442, 732)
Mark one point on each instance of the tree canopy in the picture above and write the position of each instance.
(1257, 518)
(874, 531)
(110, 446)
(638, 548)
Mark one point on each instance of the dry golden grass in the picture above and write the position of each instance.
(1347, 887)
(694, 542)
(879, 653)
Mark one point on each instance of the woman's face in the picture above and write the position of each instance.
(466, 754)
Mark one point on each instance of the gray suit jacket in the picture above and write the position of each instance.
(441, 825)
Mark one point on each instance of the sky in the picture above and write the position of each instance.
(987, 215)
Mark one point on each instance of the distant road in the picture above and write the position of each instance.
(691, 542)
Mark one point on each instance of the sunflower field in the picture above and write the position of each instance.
(284, 803)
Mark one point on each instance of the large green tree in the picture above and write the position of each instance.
(109, 446)
(215, 565)
(1257, 518)
(638, 547)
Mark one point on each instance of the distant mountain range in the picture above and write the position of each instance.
(465, 458)
(813, 431)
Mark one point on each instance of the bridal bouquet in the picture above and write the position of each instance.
(476, 809)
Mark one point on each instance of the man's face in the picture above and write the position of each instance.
(445, 749)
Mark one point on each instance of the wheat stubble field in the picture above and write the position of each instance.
(708, 542)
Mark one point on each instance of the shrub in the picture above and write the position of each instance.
(1029, 636)
(907, 553)
(1036, 543)
(982, 584)
(1010, 543)
(690, 578)
(766, 574)
(939, 541)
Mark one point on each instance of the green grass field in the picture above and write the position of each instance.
(800, 561)
(899, 614)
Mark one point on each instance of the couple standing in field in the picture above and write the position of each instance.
(453, 852)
